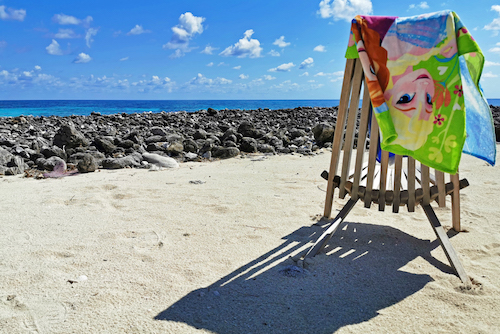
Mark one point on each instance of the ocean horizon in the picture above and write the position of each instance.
(14, 108)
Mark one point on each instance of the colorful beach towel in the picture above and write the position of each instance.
(423, 74)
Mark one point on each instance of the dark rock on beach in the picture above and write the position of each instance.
(163, 139)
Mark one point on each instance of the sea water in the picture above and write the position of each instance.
(107, 107)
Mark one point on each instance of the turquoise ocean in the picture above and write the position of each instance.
(13, 108)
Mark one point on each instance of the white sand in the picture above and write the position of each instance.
(163, 255)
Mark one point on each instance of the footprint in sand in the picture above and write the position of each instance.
(37, 315)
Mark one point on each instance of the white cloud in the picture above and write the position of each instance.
(274, 53)
(124, 59)
(344, 9)
(154, 84)
(210, 64)
(54, 49)
(201, 80)
(137, 30)
(237, 67)
(285, 86)
(209, 50)
(244, 47)
(189, 25)
(306, 74)
(422, 5)
(12, 14)
(320, 48)
(308, 62)
(177, 54)
(488, 63)
(243, 76)
(489, 75)
(495, 24)
(64, 19)
(82, 58)
(38, 68)
(280, 42)
(66, 33)
(88, 36)
(268, 77)
(282, 68)
(495, 50)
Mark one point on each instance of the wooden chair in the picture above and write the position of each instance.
(381, 183)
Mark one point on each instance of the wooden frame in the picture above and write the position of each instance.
(377, 183)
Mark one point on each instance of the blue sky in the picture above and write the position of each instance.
(223, 49)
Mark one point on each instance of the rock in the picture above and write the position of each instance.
(67, 136)
(50, 163)
(190, 145)
(189, 156)
(54, 151)
(5, 156)
(225, 152)
(175, 148)
(158, 131)
(200, 134)
(104, 145)
(160, 160)
(87, 164)
(132, 160)
(247, 129)
(265, 148)
(248, 145)
(15, 166)
(323, 133)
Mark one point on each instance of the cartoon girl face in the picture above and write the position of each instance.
(413, 93)
(410, 106)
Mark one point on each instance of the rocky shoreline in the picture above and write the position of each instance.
(58, 145)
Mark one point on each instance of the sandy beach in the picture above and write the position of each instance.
(205, 248)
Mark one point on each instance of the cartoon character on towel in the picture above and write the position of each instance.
(410, 105)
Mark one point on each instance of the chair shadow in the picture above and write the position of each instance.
(355, 277)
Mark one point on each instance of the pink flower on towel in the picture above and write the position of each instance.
(458, 90)
(439, 119)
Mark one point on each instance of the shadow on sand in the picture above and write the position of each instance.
(348, 283)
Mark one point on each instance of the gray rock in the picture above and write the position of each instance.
(160, 160)
(189, 156)
(190, 145)
(50, 163)
(200, 134)
(265, 148)
(54, 151)
(118, 163)
(158, 131)
(248, 145)
(323, 133)
(87, 164)
(175, 148)
(104, 145)
(67, 136)
(225, 152)
(5, 156)
(247, 129)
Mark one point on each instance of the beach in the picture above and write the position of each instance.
(206, 247)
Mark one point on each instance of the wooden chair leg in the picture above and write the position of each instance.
(334, 225)
(446, 244)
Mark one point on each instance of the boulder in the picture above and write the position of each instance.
(67, 136)
(160, 160)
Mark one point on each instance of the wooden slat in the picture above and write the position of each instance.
(323, 239)
(339, 134)
(425, 185)
(455, 202)
(411, 184)
(372, 159)
(446, 244)
(440, 184)
(362, 132)
(351, 125)
(398, 163)
(384, 161)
